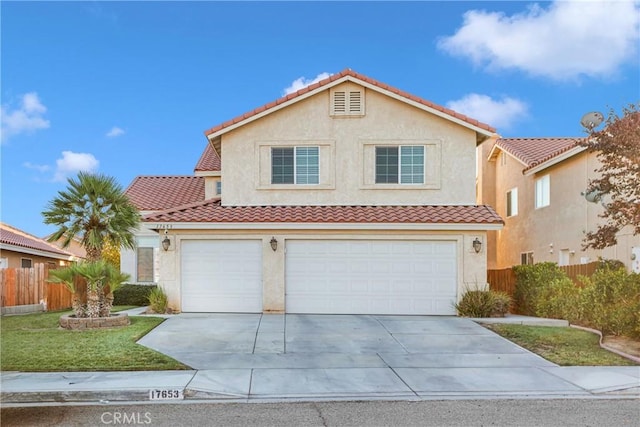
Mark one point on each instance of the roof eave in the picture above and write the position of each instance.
(553, 161)
(162, 225)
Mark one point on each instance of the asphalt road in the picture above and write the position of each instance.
(525, 412)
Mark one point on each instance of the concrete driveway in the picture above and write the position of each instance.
(267, 355)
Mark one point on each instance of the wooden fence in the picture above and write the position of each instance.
(505, 280)
(25, 286)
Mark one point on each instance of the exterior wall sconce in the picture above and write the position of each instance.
(166, 242)
(274, 244)
(477, 245)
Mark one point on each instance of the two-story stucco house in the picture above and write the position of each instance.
(348, 196)
(537, 185)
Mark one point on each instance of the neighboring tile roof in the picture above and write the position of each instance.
(533, 151)
(212, 211)
(152, 193)
(12, 236)
(334, 77)
(209, 160)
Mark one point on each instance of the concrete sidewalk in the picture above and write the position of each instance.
(387, 383)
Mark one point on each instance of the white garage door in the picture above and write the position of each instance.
(222, 276)
(371, 277)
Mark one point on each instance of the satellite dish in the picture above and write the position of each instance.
(592, 120)
(593, 196)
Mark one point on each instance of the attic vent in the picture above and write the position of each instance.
(347, 103)
(339, 102)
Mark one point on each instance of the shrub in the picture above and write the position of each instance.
(530, 279)
(158, 300)
(611, 301)
(483, 304)
(559, 299)
(130, 294)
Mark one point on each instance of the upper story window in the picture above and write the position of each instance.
(295, 165)
(543, 192)
(512, 202)
(218, 187)
(400, 165)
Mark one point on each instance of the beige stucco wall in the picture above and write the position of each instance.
(346, 160)
(471, 265)
(549, 230)
(14, 259)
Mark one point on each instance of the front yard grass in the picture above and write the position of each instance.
(563, 346)
(35, 343)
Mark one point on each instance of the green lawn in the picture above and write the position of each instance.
(35, 343)
(564, 346)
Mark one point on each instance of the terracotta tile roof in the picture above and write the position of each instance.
(209, 160)
(351, 73)
(533, 151)
(13, 236)
(212, 211)
(152, 193)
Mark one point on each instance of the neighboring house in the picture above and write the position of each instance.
(348, 196)
(22, 250)
(75, 246)
(537, 185)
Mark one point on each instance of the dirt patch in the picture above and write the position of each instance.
(624, 344)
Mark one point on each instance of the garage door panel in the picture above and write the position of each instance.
(371, 277)
(221, 276)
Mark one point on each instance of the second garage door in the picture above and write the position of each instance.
(371, 277)
(222, 276)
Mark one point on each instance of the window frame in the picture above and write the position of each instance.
(22, 260)
(152, 251)
(512, 203)
(297, 165)
(399, 166)
(218, 188)
(526, 258)
(542, 196)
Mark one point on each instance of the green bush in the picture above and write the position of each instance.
(130, 294)
(158, 300)
(559, 299)
(611, 301)
(530, 280)
(483, 304)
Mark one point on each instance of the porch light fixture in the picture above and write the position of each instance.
(274, 244)
(477, 245)
(166, 242)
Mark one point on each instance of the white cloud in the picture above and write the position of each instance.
(499, 113)
(566, 40)
(302, 82)
(39, 168)
(115, 131)
(72, 163)
(27, 118)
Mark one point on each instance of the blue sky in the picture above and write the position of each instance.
(127, 88)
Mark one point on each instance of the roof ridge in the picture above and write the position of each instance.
(24, 234)
(351, 73)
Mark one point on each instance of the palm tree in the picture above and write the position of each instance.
(93, 208)
(67, 276)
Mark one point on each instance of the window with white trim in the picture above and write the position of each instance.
(400, 164)
(144, 267)
(512, 202)
(295, 165)
(543, 192)
(4, 262)
(526, 258)
(218, 187)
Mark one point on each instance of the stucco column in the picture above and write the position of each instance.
(273, 298)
